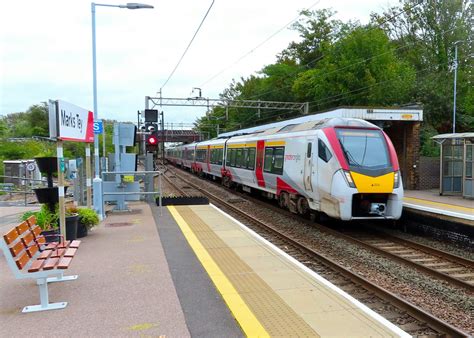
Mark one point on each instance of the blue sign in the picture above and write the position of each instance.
(98, 127)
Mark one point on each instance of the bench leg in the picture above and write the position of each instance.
(61, 279)
(44, 298)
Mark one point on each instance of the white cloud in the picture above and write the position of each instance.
(45, 49)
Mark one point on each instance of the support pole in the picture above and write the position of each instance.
(88, 175)
(61, 167)
(104, 156)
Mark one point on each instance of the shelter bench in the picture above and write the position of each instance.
(29, 256)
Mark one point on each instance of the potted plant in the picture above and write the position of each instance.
(47, 220)
(72, 220)
(87, 220)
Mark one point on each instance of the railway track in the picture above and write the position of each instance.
(439, 264)
(389, 305)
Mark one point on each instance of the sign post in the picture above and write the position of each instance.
(68, 122)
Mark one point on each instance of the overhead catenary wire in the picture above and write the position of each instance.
(189, 45)
(256, 47)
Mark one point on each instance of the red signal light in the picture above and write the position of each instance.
(152, 140)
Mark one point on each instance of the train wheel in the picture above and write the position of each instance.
(303, 206)
(283, 200)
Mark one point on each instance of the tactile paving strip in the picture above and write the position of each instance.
(274, 314)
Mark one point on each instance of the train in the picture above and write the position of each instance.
(344, 168)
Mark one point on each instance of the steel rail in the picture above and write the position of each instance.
(406, 261)
(411, 309)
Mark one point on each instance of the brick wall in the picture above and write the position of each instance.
(413, 155)
(429, 167)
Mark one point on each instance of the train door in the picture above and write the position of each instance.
(259, 166)
(308, 166)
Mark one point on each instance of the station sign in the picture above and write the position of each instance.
(69, 122)
(98, 127)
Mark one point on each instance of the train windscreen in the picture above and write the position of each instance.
(364, 148)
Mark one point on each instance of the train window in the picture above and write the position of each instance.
(220, 152)
(227, 162)
(278, 160)
(323, 151)
(245, 155)
(212, 156)
(267, 164)
(251, 159)
(308, 151)
(238, 158)
(364, 148)
(232, 157)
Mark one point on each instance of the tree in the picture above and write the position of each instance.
(317, 30)
(359, 69)
(426, 32)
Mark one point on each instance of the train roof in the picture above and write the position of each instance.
(308, 126)
(372, 114)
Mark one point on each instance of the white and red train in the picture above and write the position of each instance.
(345, 168)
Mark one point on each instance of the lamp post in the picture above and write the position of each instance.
(455, 79)
(97, 179)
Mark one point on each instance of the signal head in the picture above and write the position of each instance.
(152, 140)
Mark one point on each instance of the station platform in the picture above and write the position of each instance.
(188, 271)
(451, 208)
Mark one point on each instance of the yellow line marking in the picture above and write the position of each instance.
(244, 316)
(450, 206)
(140, 327)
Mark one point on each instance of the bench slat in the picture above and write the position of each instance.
(45, 254)
(17, 248)
(64, 262)
(36, 230)
(50, 263)
(58, 253)
(51, 246)
(64, 244)
(70, 252)
(31, 220)
(28, 239)
(10, 236)
(22, 261)
(36, 266)
(32, 250)
(75, 244)
(22, 228)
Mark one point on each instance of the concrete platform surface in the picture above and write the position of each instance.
(124, 287)
(268, 292)
(430, 201)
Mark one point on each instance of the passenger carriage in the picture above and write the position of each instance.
(345, 168)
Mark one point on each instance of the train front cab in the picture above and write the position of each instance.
(368, 184)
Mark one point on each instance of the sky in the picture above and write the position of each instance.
(46, 50)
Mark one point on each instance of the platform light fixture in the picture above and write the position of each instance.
(97, 179)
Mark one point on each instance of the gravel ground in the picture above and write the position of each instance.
(449, 303)
(461, 250)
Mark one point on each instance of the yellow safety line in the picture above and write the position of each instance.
(438, 204)
(244, 316)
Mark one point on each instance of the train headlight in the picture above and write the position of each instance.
(348, 177)
(396, 180)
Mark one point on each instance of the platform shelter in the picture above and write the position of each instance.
(456, 164)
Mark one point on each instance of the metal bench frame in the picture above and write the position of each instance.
(42, 280)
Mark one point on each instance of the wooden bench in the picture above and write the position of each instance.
(29, 256)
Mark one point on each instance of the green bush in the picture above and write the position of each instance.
(88, 217)
(46, 219)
